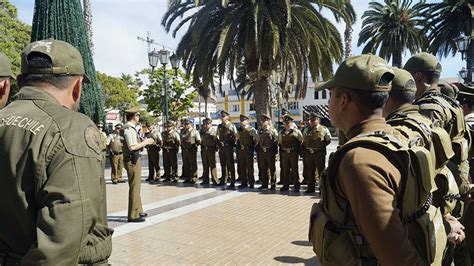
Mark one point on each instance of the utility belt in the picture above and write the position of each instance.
(116, 153)
(208, 148)
(314, 150)
(134, 157)
(7, 259)
(246, 147)
(226, 144)
(170, 149)
(266, 149)
(288, 150)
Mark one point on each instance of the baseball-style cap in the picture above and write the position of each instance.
(5, 66)
(133, 110)
(287, 118)
(100, 124)
(244, 117)
(403, 80)
(224, 113)
(363, 72)
(65, 58)
(314, 116)
(265, 117)
(119, 125)
(185, 121)
(423, 62)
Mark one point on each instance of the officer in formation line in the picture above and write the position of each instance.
(153, 152)
(115, 144)
(289, 140)
(132, 145)
(171, 142)
(190, 140)
(267, 149)
(247, 140)
(316, 138)
(227, 135)
(5, 76)
(208, 151)
(57, 197)
(103, 145)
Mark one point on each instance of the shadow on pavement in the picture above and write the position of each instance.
(293, 260)
(121, 219)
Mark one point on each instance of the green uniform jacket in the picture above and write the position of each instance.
(53, 202)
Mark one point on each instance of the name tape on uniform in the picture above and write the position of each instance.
(25, 123)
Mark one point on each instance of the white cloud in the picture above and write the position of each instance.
(117, 24)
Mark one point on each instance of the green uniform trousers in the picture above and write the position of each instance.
(153, 162)
(289, 165)
(245, 166)
(134, 172)
(208, 157)
(266, 167)
(226, 158)
(313, 165)
(189, 164)
(170, 163)
(116, 163)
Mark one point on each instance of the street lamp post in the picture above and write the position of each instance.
(465, 45)
(164, 59)
(175, 63)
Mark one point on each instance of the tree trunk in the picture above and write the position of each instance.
(348, 41)
(262, 98)
(397, 57)
(205, 107)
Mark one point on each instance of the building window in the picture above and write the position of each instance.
(251, 107)
(316, 95)
(324, 96)
(293, 106)
(235, 108)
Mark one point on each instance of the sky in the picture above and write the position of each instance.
(117, 24)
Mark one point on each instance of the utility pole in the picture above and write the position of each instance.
(151, 42)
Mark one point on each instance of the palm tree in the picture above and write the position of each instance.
(393, 27)
(448, 20)
(86, 4)
(264, 37)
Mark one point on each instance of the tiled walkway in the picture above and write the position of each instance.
(211, 226)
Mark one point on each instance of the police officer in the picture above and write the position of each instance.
(289, 139)
(114, 142)
(208, 151)
(266, 151)
(316, 138)
(190, 140)
(103, 145)
(246, 142)
(153, 152)
(53, 207)
(361, 196)
(227, 135)
(132, 146)
(171, 142)
(5, 75)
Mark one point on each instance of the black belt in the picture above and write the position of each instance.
(313, 150)
(243, 147)
(265, 149)
(288, 150)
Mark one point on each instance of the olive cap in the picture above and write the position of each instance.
(119, 125)
(185, 121)
(403, 80)
(65, 58)
(133, 110)
(287, 118)
(265, 117)
(314, 116)
(5, 66)
(363, 72)
(170, 124)
(284, 111)
(100, 124)
(448, 89)
(423, 62)
(244, 117)
(224, 113)
(207, 120)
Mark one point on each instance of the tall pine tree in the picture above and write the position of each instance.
(64, 20)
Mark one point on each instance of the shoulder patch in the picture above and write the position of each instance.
(92, 138)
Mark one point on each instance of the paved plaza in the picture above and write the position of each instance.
(194, 224)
